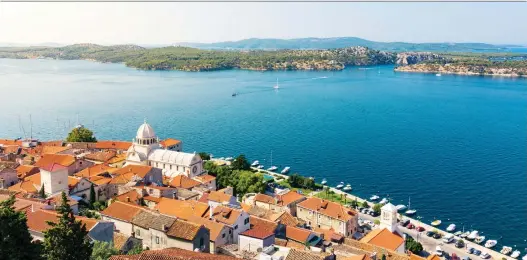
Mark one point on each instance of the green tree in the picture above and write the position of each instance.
(240, 163)
(204, 155)
(354, 203)
(42, 192)
(376, 222)
(249, 182)
(103, 250)
(383, 257)
(137, 249)
(67, 239)
(92, 195)
(377, 208)
(365, 204)
(81, 134)
(15, 240)
(413, 246)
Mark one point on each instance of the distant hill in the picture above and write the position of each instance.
(342, 42)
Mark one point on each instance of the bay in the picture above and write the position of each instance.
(456, 144)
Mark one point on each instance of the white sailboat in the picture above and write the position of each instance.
(451, 227)
(347, 188)
(276, 86)
(272, 168)
(324, 181)
(341, 184)
(383, 201)
(410, 211)
(400, 207)
(374, 197)
(285, 170)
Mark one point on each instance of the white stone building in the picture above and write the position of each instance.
(145, 150)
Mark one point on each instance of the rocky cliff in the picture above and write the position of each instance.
(409, 58)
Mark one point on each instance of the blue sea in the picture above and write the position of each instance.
(457, 145)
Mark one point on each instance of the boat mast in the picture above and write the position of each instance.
(30, 127)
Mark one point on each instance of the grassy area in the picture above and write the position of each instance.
(332, 196)
(286, 184)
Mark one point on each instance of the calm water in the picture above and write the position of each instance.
(456, 144)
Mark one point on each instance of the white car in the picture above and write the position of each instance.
(448, 239)
(439, 251)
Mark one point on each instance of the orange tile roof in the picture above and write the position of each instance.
(73, 181)
(214, 227)
(129, 197)
(7, 149)
(433, 257)
(100, 156)
(172, 254)
(29, 184)
(184, 209)
(219, 196)
(264, 198)
(53, 167)
(62, 159)
(10, 142)
(287, 219)
(37, 220)
(182, 181)
(383, 238)
(169, 142)
(329, 234)
(139, 170)
(258, 233)
(302, 254)
(226, 215)
(152, 198)
(184, 229)
(53, 149)
(100, 180)
(205, 178)
(355, 257)
(328, 208)
(119, 145)
(117, 158)
(298, 234)
(26, 170)
(121, 211)
(52, 143)
(260, 223)
(119, 239)
(288, 198)
(95, 170)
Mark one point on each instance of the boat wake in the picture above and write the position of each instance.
(323, 77)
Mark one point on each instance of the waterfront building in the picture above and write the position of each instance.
(171, 254)
(326, 214)
(146, 150)
(386, 239)
(389, 219)
(172, 144)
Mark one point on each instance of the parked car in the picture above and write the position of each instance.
(470, 250)
(454, 257)
(466, 258)
(410, 226)
(437, 235)
(420, 229)
(405, 223)
(448, 238)
(429, 233)
(477, 252)
(460, 243)
(438, 251)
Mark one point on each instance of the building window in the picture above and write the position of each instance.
(157, 240)
(246, 221)
(201, 242)
(223, 235)
(138, 232)
(235, 227)
(171, 167)
(230, 231)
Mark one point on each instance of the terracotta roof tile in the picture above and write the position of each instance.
(53, 149)
(260, 223)
(297, 234)
(118, 145)
(433, 257)
(205, 178)
(49, 159)
(169, 142)
(226, 215)
(305, 255)
(139, 170)
(100, 156)
(287, 219)
(265, 199)
(29, 184)
(383, 238)
(147, 219)
(184, 209)
(119, 240)
(10, 142)
(26, 171)
(52, 143)
(37, 220)
(121, 211)
(14, 149)
(73, 181)
(172, 254)
(100, 180)
(95, 170)
(214, 227)
(183, 229)
(182, 181)
(129, 197)
(117, 158)
(328, 208)
(288, 198)
(259, 233)
(355, 257)
(219, 196)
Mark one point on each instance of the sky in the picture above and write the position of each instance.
(167, 23)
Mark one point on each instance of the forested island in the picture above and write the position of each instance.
(193, 59)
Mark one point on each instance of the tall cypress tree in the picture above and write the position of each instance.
(67, 239)
(92, 195)
(15, 240)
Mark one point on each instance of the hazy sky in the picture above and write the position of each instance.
(163, 23)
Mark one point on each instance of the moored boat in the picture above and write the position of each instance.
(473, 235)
(285, 170)
(464, 235)
(400, 207)
(347, 188)
(383, 201)
(255, 163)
(490, 243)
(458, 233)
(410, 212)
(436, 223)
(229, 159)
(451, 227)
(260, 167)
(374, 197)
(340, 186)
(272, 168)
(479, 239)
(506, 250)
(515, 254)
(324, 181)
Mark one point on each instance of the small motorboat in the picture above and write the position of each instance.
(347, 188)
(451, 227)
(340, 186)
(324, 181)
(260, 167)
(272, 168)
(229, 159)
(458, 233)
(506, 250)
(255, 163)
(400, 207)
(438, 75)
(436, 223)
(410, 212)
(464, 235)
(473, 235)
(479, 239)
(490, 243)
(515, 254)
(285, 170)
(374, 197)
(383, 201)
(234, 94)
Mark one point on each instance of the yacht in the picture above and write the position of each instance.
(374, 197)
(324, 181)
(229, 159)
(490, 243)
(515, 254)
(464, 235)
(340, 186)
(272, 168)
(260, 167)
(276, 86)
(451, 227)
(458, 233)
(410, 211)
(436, 223)
(400, 207)
(383, 201)
(479, 239)
(473, 235)
(347, 188)
(285, 170)
(506, 250)
(255, 163)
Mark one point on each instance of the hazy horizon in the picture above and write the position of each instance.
(169, 23)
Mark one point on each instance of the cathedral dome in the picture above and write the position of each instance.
(145, 131)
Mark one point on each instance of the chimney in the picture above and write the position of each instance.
(32, 207)
(164, 227)
(127, 199)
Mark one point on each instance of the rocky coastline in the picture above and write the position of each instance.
(470, 70)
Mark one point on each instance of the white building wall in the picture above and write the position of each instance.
(249, 243)
(242, 227)
(54, 182)
(122, 226)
